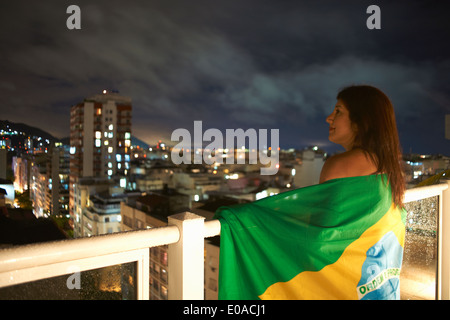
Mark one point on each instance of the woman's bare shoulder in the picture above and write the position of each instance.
(352, 163)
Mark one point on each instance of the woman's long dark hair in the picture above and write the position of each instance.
(372, 112)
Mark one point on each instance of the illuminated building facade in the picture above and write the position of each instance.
(100, 138)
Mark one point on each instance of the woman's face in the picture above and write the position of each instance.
(341, 131)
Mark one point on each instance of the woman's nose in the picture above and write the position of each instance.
(330, 118)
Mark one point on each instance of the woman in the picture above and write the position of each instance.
(363, 122)
(342, 239)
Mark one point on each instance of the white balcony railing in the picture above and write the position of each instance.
(184, 236)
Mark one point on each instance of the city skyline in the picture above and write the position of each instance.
(230, 64)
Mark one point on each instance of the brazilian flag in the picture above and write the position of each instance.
(342, 239)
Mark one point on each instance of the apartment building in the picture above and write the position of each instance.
(48, 180)
(151, 211)
(96, 206)
(100, 139)
(102, 213)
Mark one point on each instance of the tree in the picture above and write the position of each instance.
(23, 199)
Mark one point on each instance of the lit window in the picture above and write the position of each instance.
(73, 150)
(98, 135)
(110, 172)
(111, 127)
(110, 149)
(127, 135)
(98, 143)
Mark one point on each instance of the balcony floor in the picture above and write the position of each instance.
(418, 277)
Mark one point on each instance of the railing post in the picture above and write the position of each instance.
(143, 276)
(186, 258)
(445, 245)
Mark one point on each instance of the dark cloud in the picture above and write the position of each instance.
(259, 64)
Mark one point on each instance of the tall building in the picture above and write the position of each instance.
(49, 180)
(100, 138)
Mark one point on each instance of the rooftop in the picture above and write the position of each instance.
(22, 227)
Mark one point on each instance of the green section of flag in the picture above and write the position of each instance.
(278, 237)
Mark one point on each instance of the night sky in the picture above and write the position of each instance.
(229, 63)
